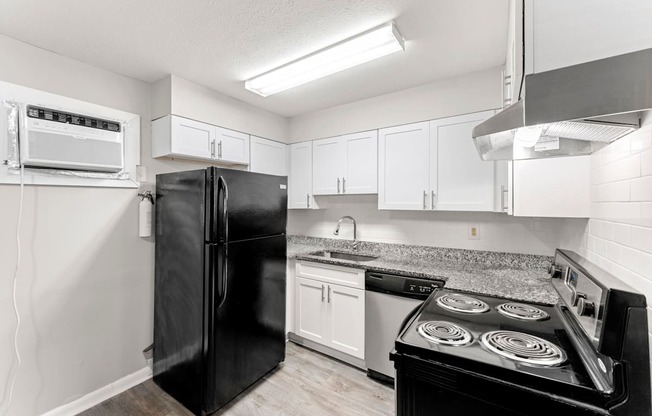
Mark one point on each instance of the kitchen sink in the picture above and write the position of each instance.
(343, 256)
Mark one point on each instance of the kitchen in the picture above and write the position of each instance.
(86, 286)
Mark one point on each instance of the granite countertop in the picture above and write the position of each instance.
(520, 277)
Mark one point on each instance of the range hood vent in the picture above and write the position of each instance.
(571, 111)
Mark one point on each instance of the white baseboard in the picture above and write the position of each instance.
(98, 396)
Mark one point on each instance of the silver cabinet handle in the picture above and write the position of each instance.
(433, 195)
(503, 191)
(219, 150)
(329, 294)
(343, 185)
(213, 149)
(307, 200)
(425, 198)
(322, 293)
(338, 185)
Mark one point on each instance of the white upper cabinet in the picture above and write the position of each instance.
(572, 32)
(403, 167)
(232, 146)
(556, 187)
(346, 164)
(300, 178)
(361, 176)
(180, 137)
(560, 33)
(459, 179)
(329, 166)
(434, 166)
(268, 156)
(177, 136)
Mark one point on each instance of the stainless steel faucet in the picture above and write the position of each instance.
(355, 230)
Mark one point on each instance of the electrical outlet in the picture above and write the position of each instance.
(474, 232)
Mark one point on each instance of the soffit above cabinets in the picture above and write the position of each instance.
(220, 44)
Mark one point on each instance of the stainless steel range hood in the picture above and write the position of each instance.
(571, 111)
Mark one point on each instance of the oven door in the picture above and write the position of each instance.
(426, 388)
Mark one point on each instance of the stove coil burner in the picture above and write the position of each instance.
(445, 333)
(524, 348)
(522, 312)
(462, 303)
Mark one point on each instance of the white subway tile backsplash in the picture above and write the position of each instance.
(646, 163)
(623, 234)
(601, 247)
(627, 168)
(641, 189)
(612, 191)
(614, 252)
(641, 239)
(617, 150)
(646, 210)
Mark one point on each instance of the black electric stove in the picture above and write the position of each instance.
(473, 354)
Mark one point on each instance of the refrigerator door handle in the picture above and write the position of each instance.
(223, 188)
(222, 275)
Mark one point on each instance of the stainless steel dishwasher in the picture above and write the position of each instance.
(389, 299)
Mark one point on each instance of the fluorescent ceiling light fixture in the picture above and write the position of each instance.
(357, 50)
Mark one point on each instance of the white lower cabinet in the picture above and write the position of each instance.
(330, 314)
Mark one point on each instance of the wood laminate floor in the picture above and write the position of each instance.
(307, 383)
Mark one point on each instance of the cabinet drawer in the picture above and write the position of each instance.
(329, 273)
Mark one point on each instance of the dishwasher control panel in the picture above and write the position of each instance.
(407, 286)
(420, 287)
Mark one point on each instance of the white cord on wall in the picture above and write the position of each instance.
(15, 284)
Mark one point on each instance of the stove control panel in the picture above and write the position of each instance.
(583, 297)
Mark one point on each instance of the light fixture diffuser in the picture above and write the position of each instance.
(357, 50)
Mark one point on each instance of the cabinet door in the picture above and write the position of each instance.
(555, 187)
(459, 179)
(191, 138)
(300, 179)
(232, 146)
(403, 167)
(361, 175)
(310, 307)
(346, 319)
(572, 32)
(329, 163)
(268, 156)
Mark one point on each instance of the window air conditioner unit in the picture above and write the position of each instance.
(64, 140)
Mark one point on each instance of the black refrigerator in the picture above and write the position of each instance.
(219, 301)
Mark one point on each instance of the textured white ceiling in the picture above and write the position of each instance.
(220, 43)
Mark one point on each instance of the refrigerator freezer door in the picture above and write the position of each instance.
(256, 205)
(246, 336)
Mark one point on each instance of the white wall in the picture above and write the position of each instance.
(619, 235)
(465, 94)
(498, 232)
(86, 280)
(178, 96)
